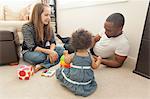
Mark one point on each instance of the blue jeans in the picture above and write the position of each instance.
(41, 58)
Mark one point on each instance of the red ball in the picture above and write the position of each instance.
(22, 73)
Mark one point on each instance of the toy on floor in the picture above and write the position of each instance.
(25, 72)
(53, 56)
(62, 62)
(48, 73)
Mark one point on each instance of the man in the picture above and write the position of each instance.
(112, 43)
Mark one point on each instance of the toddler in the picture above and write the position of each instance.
(79, 78)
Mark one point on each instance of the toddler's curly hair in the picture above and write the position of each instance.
(81, 39)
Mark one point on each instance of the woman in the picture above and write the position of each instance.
(39, 41)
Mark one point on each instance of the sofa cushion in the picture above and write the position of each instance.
(8, 28)
(6, 35)
(15, 34)
(13, 26)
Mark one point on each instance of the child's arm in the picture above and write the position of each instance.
(96, 61)
(67, 57)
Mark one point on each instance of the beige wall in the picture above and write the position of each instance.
(93, 17)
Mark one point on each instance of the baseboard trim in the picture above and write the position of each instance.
(142, 74)
(131, 61)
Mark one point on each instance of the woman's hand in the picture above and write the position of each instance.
(53, 56)
(43, 50)
(50, 51)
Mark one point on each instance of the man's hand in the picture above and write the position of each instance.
(53, 56)
(97, 38)
(96, 61)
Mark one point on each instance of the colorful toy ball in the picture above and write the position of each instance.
(25, 72)
(53, 56)
(62, 62)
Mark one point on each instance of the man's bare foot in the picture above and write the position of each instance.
(37, 68)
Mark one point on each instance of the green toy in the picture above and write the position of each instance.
(62, 62)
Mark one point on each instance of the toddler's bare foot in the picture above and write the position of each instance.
(37, 68)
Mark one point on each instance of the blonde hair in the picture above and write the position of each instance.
(38, 25)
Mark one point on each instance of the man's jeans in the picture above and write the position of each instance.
(41, 58)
